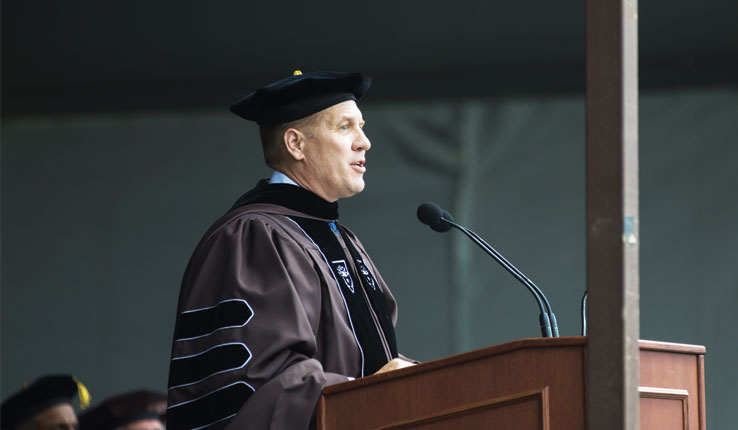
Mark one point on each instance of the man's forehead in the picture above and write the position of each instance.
(62, 413)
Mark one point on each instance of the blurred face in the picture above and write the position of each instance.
(58, 417)
(147, 424)
(335, 152)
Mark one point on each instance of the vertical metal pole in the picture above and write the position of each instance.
(612, 214)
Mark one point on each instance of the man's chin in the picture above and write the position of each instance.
(359, 188)
(353, 191)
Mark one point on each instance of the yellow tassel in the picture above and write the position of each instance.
(296, 73)
(84, 395)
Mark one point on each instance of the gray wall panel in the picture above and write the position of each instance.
(101, 213)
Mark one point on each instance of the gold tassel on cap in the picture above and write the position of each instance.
(296, 73)
(84, 394)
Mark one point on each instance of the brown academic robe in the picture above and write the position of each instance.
(295, 336)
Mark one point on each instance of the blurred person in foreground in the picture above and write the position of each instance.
(46, 404)
(279, 299)
(136, 410)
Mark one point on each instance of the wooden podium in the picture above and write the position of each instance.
(524, 384)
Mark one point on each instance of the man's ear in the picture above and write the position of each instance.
(294, 142)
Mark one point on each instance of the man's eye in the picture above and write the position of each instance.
(343, 127)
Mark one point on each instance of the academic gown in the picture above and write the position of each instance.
(262, 323)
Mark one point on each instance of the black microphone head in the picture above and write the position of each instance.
(429, 213)
(442, 226)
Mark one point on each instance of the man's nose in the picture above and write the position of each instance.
(362, 142)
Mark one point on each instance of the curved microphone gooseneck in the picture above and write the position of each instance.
(441, 221)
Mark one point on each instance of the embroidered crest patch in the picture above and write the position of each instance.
(366, 274)
(341, 269)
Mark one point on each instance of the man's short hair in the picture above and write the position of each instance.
(272, 137)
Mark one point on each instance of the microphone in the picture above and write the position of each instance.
(441, 221)
(435, 217)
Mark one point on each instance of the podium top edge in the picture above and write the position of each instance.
(652, 345)
(579, 342)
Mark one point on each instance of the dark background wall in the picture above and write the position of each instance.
(118, 151)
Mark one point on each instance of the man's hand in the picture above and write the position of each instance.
(394, 364)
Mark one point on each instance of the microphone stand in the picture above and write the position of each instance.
(549, 327)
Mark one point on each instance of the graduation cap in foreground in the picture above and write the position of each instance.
(300, 95)
(44, 393)
(123, 409)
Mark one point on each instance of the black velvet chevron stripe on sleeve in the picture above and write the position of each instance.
(218, 359)
(210, 411)
(202, 322)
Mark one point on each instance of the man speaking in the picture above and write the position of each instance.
(279, 299)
